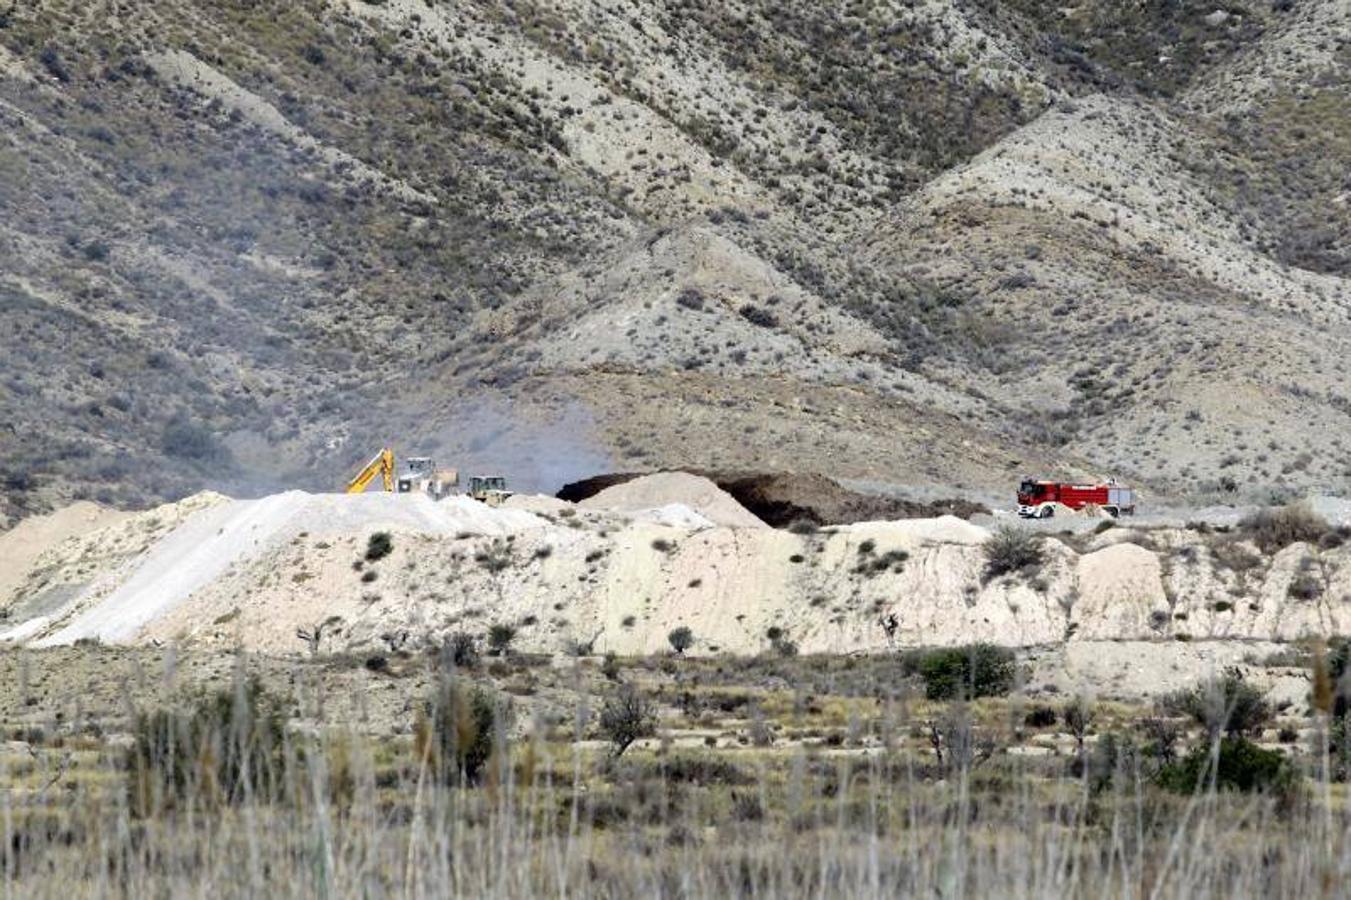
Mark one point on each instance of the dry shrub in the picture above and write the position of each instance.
(1275, 529)
(225, 747)
(1011, 549)
(459, 730)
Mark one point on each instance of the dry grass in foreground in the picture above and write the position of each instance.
(715, 783)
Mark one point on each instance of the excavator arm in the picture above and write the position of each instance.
(381, 464)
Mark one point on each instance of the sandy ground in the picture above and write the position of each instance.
(22, 546)
(1129, 670)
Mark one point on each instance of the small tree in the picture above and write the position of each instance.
(500, 637)
(956, 744)
(1010, 549)
(460, 650)
(681, 639)
(1078, 718)
(1163, 735)
(626, 717)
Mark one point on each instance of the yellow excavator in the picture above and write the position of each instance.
(381, 464)
(420, 475)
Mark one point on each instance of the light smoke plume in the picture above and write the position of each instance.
(490, 437)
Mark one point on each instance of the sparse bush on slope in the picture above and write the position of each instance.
(460, 729)
(228, 746)
(183, 438)
(1225, 704)
(1011, 549)
(378, 546)
(1275, 529)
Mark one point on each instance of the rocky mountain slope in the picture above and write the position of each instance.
(936, 242)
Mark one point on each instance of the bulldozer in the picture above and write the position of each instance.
(489, 489)
(419, 474)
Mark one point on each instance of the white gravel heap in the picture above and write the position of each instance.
(665, 489)
(231, 534)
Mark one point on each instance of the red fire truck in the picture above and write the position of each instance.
(1038, 499)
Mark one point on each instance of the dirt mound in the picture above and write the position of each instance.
(21, 546)
(577, 491)
(782, 498)
(540, 504)
(230, 534)
(681, 489)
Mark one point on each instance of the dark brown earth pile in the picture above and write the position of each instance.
(782, 498)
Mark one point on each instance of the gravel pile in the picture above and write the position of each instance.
(667, 488)
(232, 534)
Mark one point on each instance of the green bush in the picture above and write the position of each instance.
(186, 439)
(1225, 704)
(1339, 663)
(975, 670)
(1241, 766)
(1040, 717)
(681, 639)
(380, 545)
(227, 746)
(459, 731)
(500, 637)
(1339, 727)
(1114, 762)
(1010, 549)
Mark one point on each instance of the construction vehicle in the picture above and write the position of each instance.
(1037, 499)
(381, 464)
(489, 489)
(419, 475)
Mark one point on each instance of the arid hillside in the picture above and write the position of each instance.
(623, 569)
(930, 243)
